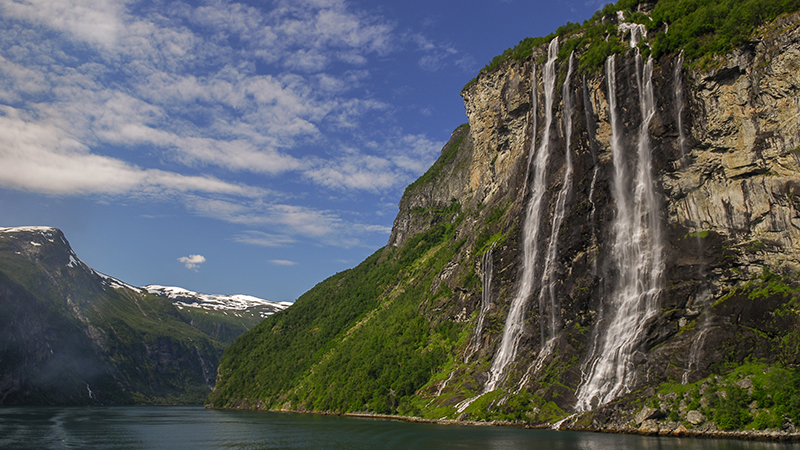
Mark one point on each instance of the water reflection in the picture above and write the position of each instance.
(195, 428)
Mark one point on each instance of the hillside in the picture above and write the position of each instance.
(611, 242)
(69, 335)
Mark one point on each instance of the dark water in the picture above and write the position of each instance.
(197, 428)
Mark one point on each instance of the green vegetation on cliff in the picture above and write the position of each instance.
(355, 342)
(364, 339)
(699, 28)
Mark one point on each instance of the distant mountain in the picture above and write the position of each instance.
(223, 317)
(238, 302)
(70, 335)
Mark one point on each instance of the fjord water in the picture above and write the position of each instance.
(173, 427)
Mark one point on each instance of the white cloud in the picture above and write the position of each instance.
(397, 162)
(435, 54)
(99, 98)
(97, 22)
(282, 262)
(39, 155)
(288, 223)
(291, 220)
(192, 261)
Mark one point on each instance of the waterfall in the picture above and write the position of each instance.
(486, 300)
(694, 352)
(534, 119)
(635, 256)
(512, 332)
(590, 126)
(548, 303)
(91, 394)
(444, 384)
(679, 106)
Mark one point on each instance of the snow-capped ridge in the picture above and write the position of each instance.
(191, 299)
(115, 283)
(28, 229)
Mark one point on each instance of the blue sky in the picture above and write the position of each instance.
(227, 147)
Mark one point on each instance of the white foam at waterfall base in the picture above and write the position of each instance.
(636, 257)
(512, 332)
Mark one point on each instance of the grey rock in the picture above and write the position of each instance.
(646, 413)
(695, 417)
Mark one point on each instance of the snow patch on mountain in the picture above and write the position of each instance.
(44, 230)
(239, 302)
(115, 283)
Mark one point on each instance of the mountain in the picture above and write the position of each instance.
(70, 335)
(612, 242)
(223, 317)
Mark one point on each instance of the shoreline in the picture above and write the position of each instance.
(670, 430)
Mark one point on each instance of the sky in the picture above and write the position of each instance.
(236, 147)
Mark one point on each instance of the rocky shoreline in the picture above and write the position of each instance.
(647, 428)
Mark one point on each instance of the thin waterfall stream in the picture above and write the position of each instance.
(534, 119)
(678, 81)
(512, 332)
(514, 325)
(548, 303)
(549, 308)
(486, 301)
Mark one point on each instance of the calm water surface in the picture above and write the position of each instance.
(196, 428)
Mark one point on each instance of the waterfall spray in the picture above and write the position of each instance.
(694, 352)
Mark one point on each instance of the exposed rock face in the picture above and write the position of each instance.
(742, 178)
(726, 184)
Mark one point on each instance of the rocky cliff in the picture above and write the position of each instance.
(615, 246)
(725, 170)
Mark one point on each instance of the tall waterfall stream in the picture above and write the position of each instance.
(635, 256)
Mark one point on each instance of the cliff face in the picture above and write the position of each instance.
(620, 244)
(724, 156)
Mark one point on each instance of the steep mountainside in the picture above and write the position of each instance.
(69, 335)
(614, 244)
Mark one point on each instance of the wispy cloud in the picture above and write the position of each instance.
(435, 54)
(119, 98)
(282, 262)
(377, 166)
(192, 262)
(260, 238)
